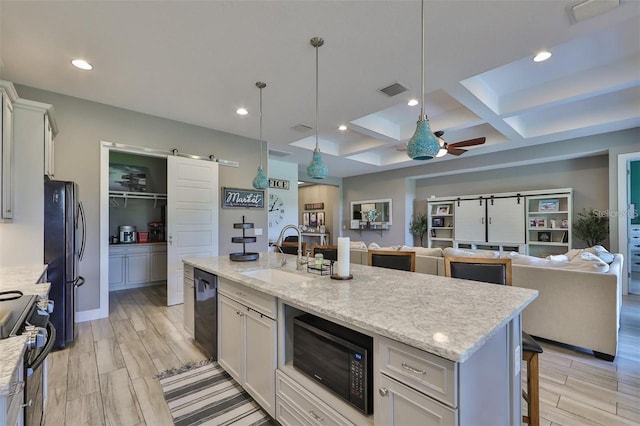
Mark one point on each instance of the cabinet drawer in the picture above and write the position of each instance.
(254, 299)
(188, 271)
(287, 415)
(428, 373)
(14, 402)
(634, 231)
(139, 249)
(305, 404)
(117, 250)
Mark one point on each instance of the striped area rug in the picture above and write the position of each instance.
(207, 395)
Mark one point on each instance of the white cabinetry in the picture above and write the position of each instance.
(136, 265)
(470, 220)
(11, 412)
(50, 131)
(634, 248)
(440, 224)
(549, 223)
(7, 97)
(189, 300)
(494, 220)
(247, 342)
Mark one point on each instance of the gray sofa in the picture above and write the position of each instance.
(575, 305)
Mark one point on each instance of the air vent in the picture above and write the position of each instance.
(393, 89)
(302, 128)
(276, 153)
(589, 8)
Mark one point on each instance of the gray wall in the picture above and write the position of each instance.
(83, 124)
(535, 167)
(330, 196)
(587, 176)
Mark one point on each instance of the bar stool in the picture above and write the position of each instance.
(498, 271)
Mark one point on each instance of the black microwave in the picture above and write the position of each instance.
(337, 357)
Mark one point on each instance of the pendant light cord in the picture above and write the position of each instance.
(317, 96)
(422, 62)
(260, 127)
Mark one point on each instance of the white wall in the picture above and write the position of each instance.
(286, 171)
(83, 124)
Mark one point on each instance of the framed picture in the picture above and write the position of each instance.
(433, 233)
(437, 222)
(442, 210)
(313, 219)
(549, 205)
(544, 236)
(537, 222)
(305, 218)
(320, 218)
(564, 223)
(565, 237)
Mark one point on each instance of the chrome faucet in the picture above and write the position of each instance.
(299, 261)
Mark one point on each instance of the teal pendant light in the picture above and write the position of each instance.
(316, 168)
(423, 145)
(261, 181)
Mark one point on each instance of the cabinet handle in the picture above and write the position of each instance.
(482, 220)
(383, 391)
(413, 370)
(489, 221)
(239, 313)
(315, 416)
(28, 404)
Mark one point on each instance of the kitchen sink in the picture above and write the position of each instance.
(274, 276)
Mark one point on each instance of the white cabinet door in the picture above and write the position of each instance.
(469, 220)
(158, 262)
(6, 157)
(189, 301)
(260, 360)
(506, 220)
(192, 217)
(116, 270)
(230, 336)
(399, 405)
(137, 268)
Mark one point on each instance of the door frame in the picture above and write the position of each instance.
(623, 205)
(105, 150)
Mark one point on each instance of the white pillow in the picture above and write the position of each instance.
(602, 253)
(357, 245)
(558, 258)
(469, 253)
(590, 262)
(532, 261)
(424, 251)
(373, 246)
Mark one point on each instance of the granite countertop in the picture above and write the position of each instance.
(448, 317)
(23, 278)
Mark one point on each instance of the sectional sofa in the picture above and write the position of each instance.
(580, 295)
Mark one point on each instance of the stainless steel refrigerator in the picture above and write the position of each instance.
(64, 220)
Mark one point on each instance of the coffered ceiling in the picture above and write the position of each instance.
(197, 62)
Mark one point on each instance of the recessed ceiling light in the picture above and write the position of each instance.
(542, 56)
(242, 111)
(82, 64)
(342, 127)
(412, 102)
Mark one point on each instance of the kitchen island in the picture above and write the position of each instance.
(468, 332)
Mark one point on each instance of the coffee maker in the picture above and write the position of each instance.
(156, 231)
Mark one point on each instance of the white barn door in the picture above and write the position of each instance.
(192, 217)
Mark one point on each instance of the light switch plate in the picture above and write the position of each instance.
(257, 231)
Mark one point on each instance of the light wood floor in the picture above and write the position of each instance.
(106, 376)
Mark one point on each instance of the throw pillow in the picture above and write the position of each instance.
(602, 253)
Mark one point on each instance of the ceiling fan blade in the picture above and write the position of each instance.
(455, 151)
(469, 142)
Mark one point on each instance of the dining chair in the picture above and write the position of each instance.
(498, 271)
(328, 252)
(393, 259)
(292, 248)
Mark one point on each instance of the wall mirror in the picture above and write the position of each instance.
(362, 213)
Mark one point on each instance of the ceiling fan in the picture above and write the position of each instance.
(454, 148)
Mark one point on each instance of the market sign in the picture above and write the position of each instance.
(246, 198)
(278, 183)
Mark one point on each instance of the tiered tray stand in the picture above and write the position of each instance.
(244, 256)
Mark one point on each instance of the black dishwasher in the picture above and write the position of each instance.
(206, 312)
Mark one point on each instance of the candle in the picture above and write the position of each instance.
(343, 256)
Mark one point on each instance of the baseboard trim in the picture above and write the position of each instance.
(94, 314)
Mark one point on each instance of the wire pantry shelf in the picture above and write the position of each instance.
(113, 195)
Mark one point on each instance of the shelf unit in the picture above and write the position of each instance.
(114, 195)
(440, 230)
(549, 223)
